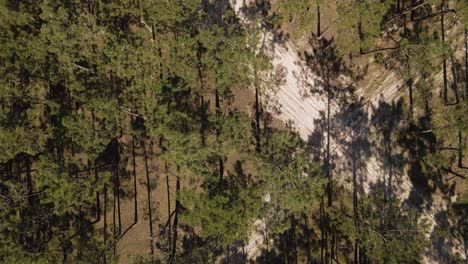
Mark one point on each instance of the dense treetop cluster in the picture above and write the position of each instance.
(88, 85)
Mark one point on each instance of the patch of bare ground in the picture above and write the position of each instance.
(133, 238)
(129, 235)
(377, 101)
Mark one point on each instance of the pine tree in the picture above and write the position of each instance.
(304, 15)
(359, 25)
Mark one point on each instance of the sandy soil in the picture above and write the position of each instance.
(290, 104)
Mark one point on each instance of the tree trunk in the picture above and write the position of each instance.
(114, 233)
(455, 80)
(80, 231)
(328, 163)
(267, 242)
(405, 27)
(333, 245)
(444, 62)
(413, 3)
(318, 20)
(29, 181)
(202, 89)
(105, 219)
(98, 4)
(293, 240)
(326, 226)
(378, 50)
(176, 220)
(218, 111)
(168, 204)
(307, 234)
(435, 14)
(98, 201)
(135, 200)
(218, 132)
(466, 63)
(410, 89)
(390, 169)
(453, 173)
(257, 118)
(361, 51)
(460, 149)
(355, 209)
(148, 193)
(323, 257)
(118, 198)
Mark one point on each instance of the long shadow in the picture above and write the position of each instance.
(386, 121)
(360, 131)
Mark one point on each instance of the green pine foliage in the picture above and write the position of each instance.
(78, 79)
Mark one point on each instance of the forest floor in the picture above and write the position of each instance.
(134, 238)
(363, 116)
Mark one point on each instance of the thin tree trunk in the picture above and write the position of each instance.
(168, 205)
(293, 240)
(355, 209)
(221, 168)
(378, 50)
(267, 242)
(410, 89)
(98, 4)
(333, 244)
(318, 20)
(218, 131)
(148, 192)
(444, 62)
(413, 3)
(361, 51)
(455, 80)
(406, 11)
(114, 211)
(257, 118)
(460, 149)
(466, 63)
(328, 163)
(98, 201)
(119, 215)
(325, 226)
(64, 255)
(135, 193)
(323, 233)
(322, 33)
(202, 99)
(29, 180)
(218, 111)
(176, 220)
(105, 220)
(435, 14)
(405, 27)
(454, 173)
(307, 233)
(81, 232)
(390, 170)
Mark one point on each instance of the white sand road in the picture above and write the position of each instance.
(303, 112)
